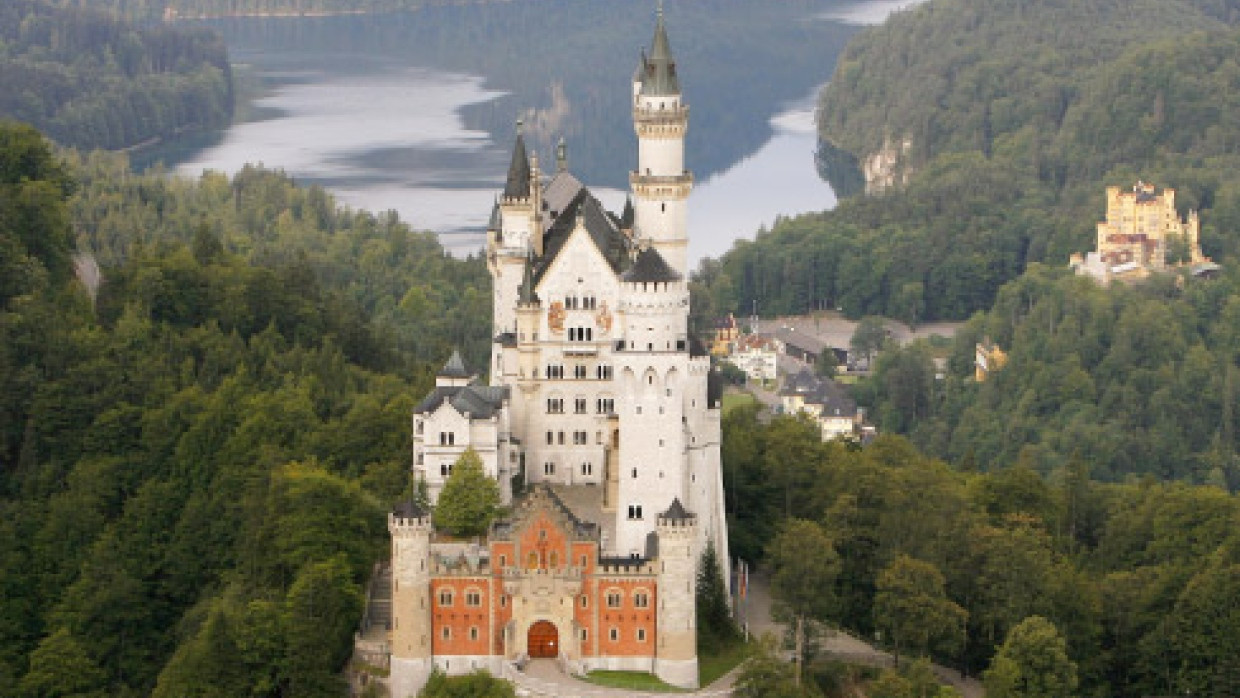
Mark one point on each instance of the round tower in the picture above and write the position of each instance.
(411, 665)
(676, 647)
(661, 184)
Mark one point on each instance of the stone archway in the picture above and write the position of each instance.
(544, 640)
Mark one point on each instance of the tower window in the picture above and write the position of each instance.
(548, 468)
(641, 634)
(614, 599)
(635, 512)
(445, 597)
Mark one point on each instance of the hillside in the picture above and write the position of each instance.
(90, 81)
(196, 455)
(1017, 115)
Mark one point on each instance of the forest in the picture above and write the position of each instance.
(1136, 381)
(199, 439)
(88, 80)
(1135, 583)
(161, 9)
(1018, 114)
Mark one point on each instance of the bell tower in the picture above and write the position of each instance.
(661, 184)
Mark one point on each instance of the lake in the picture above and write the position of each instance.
(415, 111)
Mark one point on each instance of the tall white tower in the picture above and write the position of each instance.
(661, 184)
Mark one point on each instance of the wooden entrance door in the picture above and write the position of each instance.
(544, 641)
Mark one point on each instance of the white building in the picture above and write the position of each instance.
(591, 327)
(598, 408)
(758, 357)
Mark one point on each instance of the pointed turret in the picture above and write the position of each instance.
(561, 156)
(518, 184)
(659, 78)
(627, 216)
(454, 372)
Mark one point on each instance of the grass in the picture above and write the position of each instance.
(732, 400)
(718, 661)
(631, 680)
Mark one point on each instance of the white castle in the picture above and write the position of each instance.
(598, 410)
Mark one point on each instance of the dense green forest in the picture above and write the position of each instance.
(1139, 580)
(91, 81)
(1131, 380)
(1018, 114)
(196, 454)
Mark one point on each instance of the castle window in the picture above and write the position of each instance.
(587, 469)
(614, 634)
(585, 560)
(581, 405)
(555, 405)
(641, 634)
(550, 438)
(641, 599)
(473, 597)
(635, 512)
(585, 635)
(421, 458)
(531, 562)
(503, 601)
(473, 633)
(447, 634)
(445, 469)
(548, 468)
(634, 473)
(560, 438)
(580, 438)
(419, 425)
(580, 372)
(503, 561)
(614, 598)
(445, 597)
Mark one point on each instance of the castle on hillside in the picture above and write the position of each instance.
(601, 424)
(1142, 233)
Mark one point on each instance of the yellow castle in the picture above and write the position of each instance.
(1142, 233)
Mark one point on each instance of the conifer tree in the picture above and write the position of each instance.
(469, 500)
(714, 619)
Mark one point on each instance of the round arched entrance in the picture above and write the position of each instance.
(544, 640)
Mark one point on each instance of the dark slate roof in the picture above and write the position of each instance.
(518, 184)
(409, 509)
(558, 196)
(629, 215)
(659, 77)
(496, 220)
(479, 401)
(650, 266)
(677, 512)
(455, 368)
(506, 339)
(832, 396)
(601, 226)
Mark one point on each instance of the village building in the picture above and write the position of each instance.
(824, 401)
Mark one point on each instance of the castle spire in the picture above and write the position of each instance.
(518, 184)
(660, 74)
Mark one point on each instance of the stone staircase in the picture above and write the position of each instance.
(378, 619)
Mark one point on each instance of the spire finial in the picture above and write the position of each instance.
(520, 126)
(660, 9)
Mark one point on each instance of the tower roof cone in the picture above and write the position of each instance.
(518, 184)
(660, 76)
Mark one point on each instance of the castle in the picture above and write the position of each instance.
(601, 425)
(1142, 233)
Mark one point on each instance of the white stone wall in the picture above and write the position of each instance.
(483, 435)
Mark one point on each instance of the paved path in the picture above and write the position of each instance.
(544, 678)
